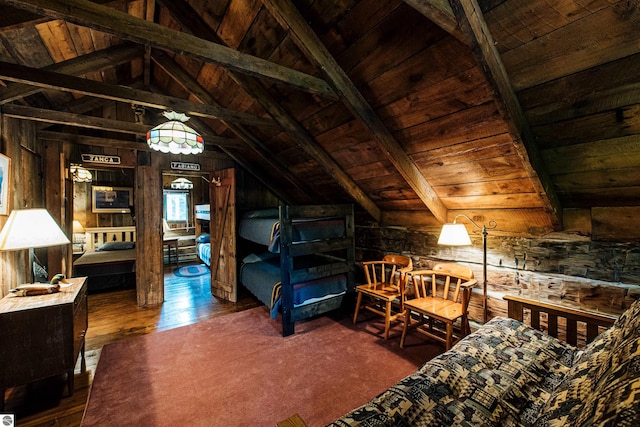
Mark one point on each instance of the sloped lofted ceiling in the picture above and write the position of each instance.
(413, 110)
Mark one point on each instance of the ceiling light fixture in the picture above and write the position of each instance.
(175, 136)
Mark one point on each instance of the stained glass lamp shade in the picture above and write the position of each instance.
(175, 136)
(181, 184)
(80, 174)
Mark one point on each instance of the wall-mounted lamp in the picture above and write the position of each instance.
(80, 174)
(181, 184)
(29, 229)
(175, 136)
(456, 235)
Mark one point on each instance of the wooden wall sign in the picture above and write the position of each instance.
(101, 158)
(185, 166)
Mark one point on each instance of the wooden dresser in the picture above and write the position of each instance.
(42, 336)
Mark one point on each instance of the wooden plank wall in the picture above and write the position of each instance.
(16, 135)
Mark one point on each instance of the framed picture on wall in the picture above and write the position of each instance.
(5, 177)
(111, 199)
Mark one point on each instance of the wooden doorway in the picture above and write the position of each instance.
(222, 194)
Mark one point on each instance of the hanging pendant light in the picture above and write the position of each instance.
(181, 184)
(175, 136)
(80, 174)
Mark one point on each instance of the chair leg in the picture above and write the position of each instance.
(449, 335)
(465, 328)
(358, 302)
(407, 323)
(387, 319)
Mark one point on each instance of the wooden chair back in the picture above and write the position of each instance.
(391, 270)
(385, 288)
(442, 294)
(445, 280)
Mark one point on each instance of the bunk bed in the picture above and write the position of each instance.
(306, 265)
(109, 258)
(203, 244)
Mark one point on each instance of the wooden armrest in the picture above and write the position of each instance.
(372, 262)
(593, 321)
(469, 284)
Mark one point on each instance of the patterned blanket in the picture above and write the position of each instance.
(508, 374)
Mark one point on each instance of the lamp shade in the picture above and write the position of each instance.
(31, 228)
(77, 227)
(181, 184)
(454, 235)
(174, 136)
(80, 174)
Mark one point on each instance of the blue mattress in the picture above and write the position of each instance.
(263, 279)
(264, 228)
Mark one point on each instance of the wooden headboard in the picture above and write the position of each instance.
(95, 237)
(574, 326)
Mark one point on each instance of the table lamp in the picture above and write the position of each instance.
(29, 229)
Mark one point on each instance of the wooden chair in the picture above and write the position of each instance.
(385, 287)
(445, 300)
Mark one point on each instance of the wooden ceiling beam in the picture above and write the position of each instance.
(57, 81)
(90, 122)
(15, 19)
(71, 119)
(441, 14)
(471, 19)
(150, 11)
(95, 61)
(289, 17)
(111, 143)
(190, 84)
(12, 18)
(111, 21)
(184, 15)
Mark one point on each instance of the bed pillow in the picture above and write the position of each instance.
(203, 238)
(263, 213)
(116, 246)
(258, 257)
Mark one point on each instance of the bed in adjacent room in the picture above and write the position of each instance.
(109, 259)
(203, 244)
(306, 265)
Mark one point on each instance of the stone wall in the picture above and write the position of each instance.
(575, 271)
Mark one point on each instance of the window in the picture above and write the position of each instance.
(176, 206)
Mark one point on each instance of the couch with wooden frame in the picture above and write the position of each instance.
(511, 373)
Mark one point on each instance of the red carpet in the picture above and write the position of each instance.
(237, 370)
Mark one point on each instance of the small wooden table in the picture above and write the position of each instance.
(42, 335)
(293, 421)
(172, 242)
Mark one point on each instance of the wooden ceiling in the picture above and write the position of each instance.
(414, 110)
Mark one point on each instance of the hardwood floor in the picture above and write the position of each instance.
(114, 316)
